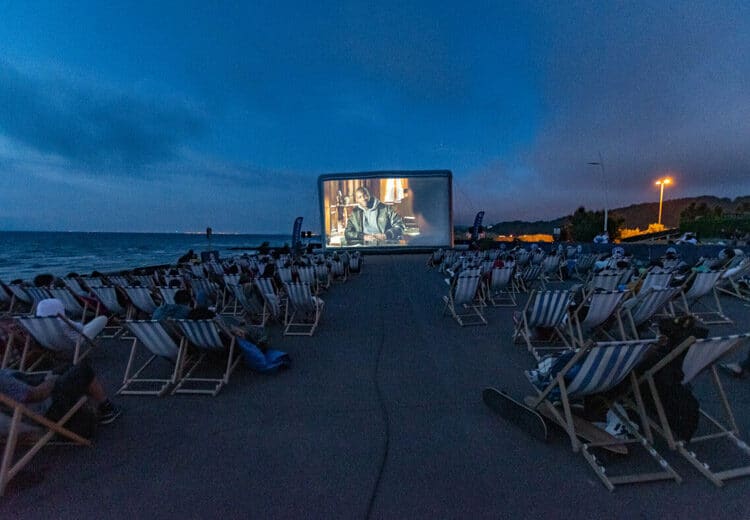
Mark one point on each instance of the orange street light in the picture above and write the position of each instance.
(662, 182)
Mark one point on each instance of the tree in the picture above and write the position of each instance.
(585, 225)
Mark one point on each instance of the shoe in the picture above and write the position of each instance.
(733, 369)
(108, 412)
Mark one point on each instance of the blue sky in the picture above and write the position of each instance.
(174, 116)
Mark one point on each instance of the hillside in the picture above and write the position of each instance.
(635, 215)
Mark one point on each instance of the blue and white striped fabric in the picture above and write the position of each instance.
(465, 290)
(651, 302)
(155, 338)
(108, 297)
(37, 294)
(602, 305)
(202, 333)
(141, 298)
(73, 308)
(301, 298)
(702, 284)
(656, 279)
(705, 352)
(549, 308)
(50, 332)
(605, 365)
(500, 278)
(167, 294)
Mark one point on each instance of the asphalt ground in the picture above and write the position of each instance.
(380, 416)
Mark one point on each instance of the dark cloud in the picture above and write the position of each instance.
(100, 128)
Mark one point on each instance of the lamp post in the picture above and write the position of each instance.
(661, 183)
(600, 164)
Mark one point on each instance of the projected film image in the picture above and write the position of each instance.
(387, 209)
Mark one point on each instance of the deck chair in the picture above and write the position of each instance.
(19, 298)
(355, 264)
(272, 300)
(642, 308)
(583, 265)
(250, 308)
(161, 347)
(144, 280)
(338, 271)
(204, 290)
(139, 300)
(74, 285)
(37, 294)
(167, 294)
(655, 278)
(734, 280)
(700, 285)
(523, 257)
(604, 281)
(117, 280)
(547, 310)
(499, 290)
(205, 337)
(595, 369)
(701, 356)
(56, 334)
(227, 295)
(21, 416)
(303, 310)
(109, 304)
(324, 276)
(592, 314)
(461, 300)
(284, 274)
(307, 275)
(526, 279)
(72, 304)
(551, 268)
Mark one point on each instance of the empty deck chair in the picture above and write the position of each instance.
(139, 300)
(338, 271)
(205, 337)
(161, 347)
(462, 301)
(57, 335)
(528, 278)
(551, 268)
(641, 309)
(593, 313)
(272, 300)
(543, 310)
(26, 421)
(75, 286)
(701, 356)
(700, 285)
(499, 291)
(583, 265)
(306, 274)
(604, 281)
(303, 310)
(595, 369)
(735, 280)
(656, 278)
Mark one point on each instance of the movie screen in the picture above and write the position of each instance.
(399, 209)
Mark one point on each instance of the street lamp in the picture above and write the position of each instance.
(600, 164)
(662, 182)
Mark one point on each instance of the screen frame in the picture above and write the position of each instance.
(384, 174)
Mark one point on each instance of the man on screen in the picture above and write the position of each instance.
(372, 221)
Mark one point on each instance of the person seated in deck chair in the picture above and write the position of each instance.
(54, 307)
(53, 395)
(178, 310)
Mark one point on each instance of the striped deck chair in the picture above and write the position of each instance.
(538, 257)
(227, 295)
(583, 265)
(19, 297)
(551, 268)
(545, 310)
(523, 257)
(117, 280)
(272, 300)
(166, 294)
(699, 285)
(139, 300)
(284, 274)
(604, 281)
(303, 311)
(144, 280)
(656, 278)
(592, 315)
(56, 334)
(461, 300)
(73, 308)
(109, 303)
(355, 263)
(204, 291)
(24, 421)
(37, 294)
(734, 280)
(250, 307)
(205, 337)
(161, 347)
(338, 271)
(324, 276)
(197, 271)
(701, 356)
(643, 308)
(526, 279)
(307, 275)
(595, 369)
(500, 291)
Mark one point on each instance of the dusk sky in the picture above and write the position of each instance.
(175, 116)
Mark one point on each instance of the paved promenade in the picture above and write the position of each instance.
(380, 416)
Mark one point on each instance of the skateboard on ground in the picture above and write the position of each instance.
(516, 412)
(585, 430)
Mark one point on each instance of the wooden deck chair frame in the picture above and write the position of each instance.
(599, 368)
(597, 308)
(701, 356)
(527, 277)
(729, 282)
(548, 309)
(139, 300)
(303, 310)
(108, 303)
(700, 284)
(642, 309)
(19, 294)
(155, 337)
(9, 466)
(461, 301)
(205, 336)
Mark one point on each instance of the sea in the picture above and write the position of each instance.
(25, 254)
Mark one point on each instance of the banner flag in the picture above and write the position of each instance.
(477, 224)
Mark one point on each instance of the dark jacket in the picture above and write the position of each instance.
(388, 221)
